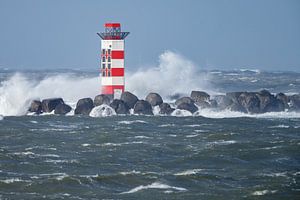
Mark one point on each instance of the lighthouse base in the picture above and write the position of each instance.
(113, 91)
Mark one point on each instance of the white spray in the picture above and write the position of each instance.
(18, 90)
(174, 74)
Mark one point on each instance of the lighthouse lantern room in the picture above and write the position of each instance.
(112, 60)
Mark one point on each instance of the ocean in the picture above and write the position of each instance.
(209, 155)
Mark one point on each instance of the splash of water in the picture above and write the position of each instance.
(17, 92)
(174, 74)
(102, 111)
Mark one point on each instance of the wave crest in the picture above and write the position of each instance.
(155, 185)
(17, 91)
(174, 74)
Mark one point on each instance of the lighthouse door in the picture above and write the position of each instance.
(117, 93)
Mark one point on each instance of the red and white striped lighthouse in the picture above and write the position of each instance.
(112, 60)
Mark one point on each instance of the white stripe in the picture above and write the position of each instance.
(117, 63)
(117, 45)
(105, 44)
(115, 80)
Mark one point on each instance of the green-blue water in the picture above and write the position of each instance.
(140, 157)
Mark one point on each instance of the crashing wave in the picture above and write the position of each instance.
(102, 111)
(155, 185)
(17, 91)
(165, 76)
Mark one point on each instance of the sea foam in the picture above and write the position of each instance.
(181, 113)
(263, 192)
(132, 122)
(155, 185)
(188, 172)
(12, 180)
(211, 113)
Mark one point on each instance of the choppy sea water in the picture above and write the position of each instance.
(214, 155)
(144, 157)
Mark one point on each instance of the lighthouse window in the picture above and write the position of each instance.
(103, 73)
(103, 66)
(108, 73)
(108, 65)
(109, 51)
(108, 59)
(103, 51)
(103, 58)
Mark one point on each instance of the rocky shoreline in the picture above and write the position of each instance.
(245, 102)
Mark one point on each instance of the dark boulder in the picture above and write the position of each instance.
(154, 99)
(165, 109)
(201, 99)
(250, 102)
(184, 100)
(48, 105)
(115, 103)
(143, 107)
(129, 98)
(187, 106)
(84, 106)
(231, 102)
(101, 99)
(35, 106)
(294, 102)
(268, 102)
(284, 99)
(199, 96)
(119, 106)
(62, 109)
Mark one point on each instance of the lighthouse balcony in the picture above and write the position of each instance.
(113, 35)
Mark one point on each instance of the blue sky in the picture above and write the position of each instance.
(214, 34)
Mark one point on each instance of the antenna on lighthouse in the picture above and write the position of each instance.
(112, 60)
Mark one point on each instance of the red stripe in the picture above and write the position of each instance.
(117, 72)
(112, 25)
(117, 54)
(113, 71)
(109, 89)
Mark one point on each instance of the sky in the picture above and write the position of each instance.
(214, 34)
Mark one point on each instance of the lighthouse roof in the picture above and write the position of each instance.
(115, 25)
(113, 32)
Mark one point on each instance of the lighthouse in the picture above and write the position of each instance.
(112, 60)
